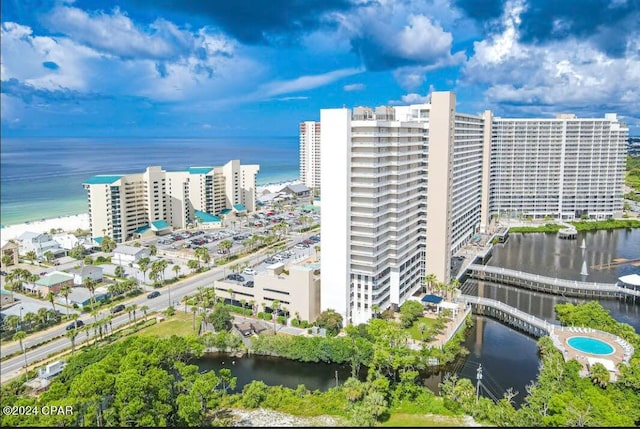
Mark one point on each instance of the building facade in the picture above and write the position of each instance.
(408, 186)
(564, 167)
(121, 206)
(310, 154)
(297, 289)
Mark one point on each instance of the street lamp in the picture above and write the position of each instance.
(21, 308)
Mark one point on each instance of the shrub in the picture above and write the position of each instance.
(295, 322)
(261, 315)
(282, 320)
(304, 323)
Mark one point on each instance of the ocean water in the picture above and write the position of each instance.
(42, 177)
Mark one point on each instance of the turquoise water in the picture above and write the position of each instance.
(590, 345)
(42, 177)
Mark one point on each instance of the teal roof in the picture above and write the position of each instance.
(199, 170)
(53, 279)
(311, 207)
(240, 207)
(160, 224)
(4, 292)
(98, 240)
(225, 211)
(205, 217)
(102, 179)
(142, 229)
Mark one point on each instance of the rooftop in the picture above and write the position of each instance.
(5, 292)
(142, 229)
(54, 278)
(631, 279)
(86, 270)
(128, 250)
(239, 207)
(205, 217)
(160, 224)
(102, 179)
(199, 170)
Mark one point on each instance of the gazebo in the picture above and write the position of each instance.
(429, 300)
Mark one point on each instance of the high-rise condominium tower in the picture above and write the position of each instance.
(121, 204)
(408, 186)
(310, 154)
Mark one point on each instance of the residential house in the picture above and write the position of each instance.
(40, 244)
(53, 282)
(86, 272)
(127, 254)
(298, 190)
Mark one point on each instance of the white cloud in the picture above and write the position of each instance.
(117, 34)
(307, 82)
(411, 98)
(354, 87)
(568, 74)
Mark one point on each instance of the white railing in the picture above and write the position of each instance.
(551, 281)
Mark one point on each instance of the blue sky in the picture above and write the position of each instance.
(251, 68)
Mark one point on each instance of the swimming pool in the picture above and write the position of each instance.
(590, 345)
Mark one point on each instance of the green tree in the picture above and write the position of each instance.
(119, 271)
(72, 334)
(176, 269)
(409, 312)
(225, 245)
(7, 260)
(430, 280)
(66, 291)
(331, 321)
(30, 256)
(143, 265)
(254, 394)
(51, 296)
(220, 318)
(600, 375)
(20, 336)
(91, 284)
(153, 250)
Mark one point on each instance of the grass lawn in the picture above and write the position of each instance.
(414, 332)
(421, 420)
(180, 324)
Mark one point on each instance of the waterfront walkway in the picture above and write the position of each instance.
(622, 350)
(549, 284)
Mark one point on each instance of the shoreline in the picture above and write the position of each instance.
(70, 223)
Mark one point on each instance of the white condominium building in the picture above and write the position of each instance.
(310, 154)
(375, 219)
(565, 167)
(409, 186)
(122, 205)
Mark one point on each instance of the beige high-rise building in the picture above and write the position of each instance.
(408, 186)
(310, 154)
(123, 205)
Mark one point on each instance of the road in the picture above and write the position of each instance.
(12, 367)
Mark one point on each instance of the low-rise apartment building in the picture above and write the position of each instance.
(296, 287)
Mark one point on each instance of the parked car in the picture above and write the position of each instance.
(249, 271)
(118, 308)
(75, 324)
(236, 277)
(3, 273)
(270, 261)
(249, 283)
(153, 294)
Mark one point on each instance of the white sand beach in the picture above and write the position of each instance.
(67, 223)
(274, 187)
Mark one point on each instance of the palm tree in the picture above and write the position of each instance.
(65, 291)
(430, 280)
(422, 328)
(48, 255)
(143, 265)
(275, 304)
(133, 309)
(375, 309)
(30, 256)
(454, 285)
(225, 245)
(91, 284)
(51, 296)
(252, 303)
(176, 269)
(317, 250)
(194, 310)
(72, 334)
(231, 294)
(153, 250)
(144, 309)
(19, 336)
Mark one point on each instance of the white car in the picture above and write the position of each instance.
(249, 271)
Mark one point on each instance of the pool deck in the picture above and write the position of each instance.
(619, 355)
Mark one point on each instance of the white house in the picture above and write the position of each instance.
(39, 243)
(83, 273)
(127, 254)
